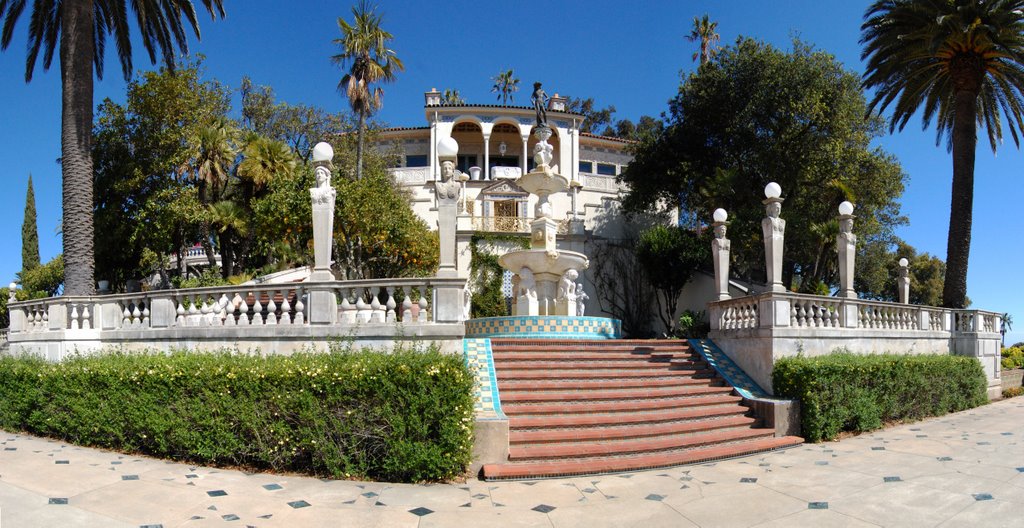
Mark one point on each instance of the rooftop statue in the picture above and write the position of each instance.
(540, 103)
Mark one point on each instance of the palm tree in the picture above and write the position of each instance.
(214, 153)
(505, 84)
(704, 30)
(81, 27)
(364, 44)
(962, 63)
(264, 159)
(452, 97)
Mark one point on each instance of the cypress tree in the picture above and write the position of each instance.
(29, 232)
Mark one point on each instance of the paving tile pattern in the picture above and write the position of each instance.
(946, 479)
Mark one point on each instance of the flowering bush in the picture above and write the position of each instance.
(1013, 357)
(404, 416)
(848, 392)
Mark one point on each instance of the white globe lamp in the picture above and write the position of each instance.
(447, 147)
(323, 152)
(904, 262)
(772, 191)
(720, 215)
(846, 208)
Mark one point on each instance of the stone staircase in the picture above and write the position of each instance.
(583, 407)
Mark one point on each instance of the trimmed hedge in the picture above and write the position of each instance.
(848, 392)
(400, 417)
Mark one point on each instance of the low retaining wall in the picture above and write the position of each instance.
(756, 331)
(1012, 378)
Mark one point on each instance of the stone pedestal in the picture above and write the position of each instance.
(322, 305)
(774, 229)
(903, 285)
(846, 247)
(447, 212)
(720, 256)
(323, 231)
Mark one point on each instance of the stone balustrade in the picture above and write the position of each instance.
(271, 317)
(757, 330)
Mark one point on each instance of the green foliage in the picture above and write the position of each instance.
(693, 325)
(42, 281)
(1013, 357)
(878, 272)
(486, 274)
(29, 231)
(209, 277)
(147, 206)
(5, 315)
(376, 233)
(400, 417)
(757, 114)
(847, 392)
(670, 256)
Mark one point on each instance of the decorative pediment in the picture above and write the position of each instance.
(505, 188)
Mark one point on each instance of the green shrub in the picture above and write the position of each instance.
(848, 392)
(1013, 357)
(693, 325)
(405, 416)
(1013, 392)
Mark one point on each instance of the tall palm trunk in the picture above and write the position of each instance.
(958, 245)
(359, 145)
(76, 63)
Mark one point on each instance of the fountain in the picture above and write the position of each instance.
(548, 297)
(545, 279)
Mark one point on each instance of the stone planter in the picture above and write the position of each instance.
(1012, 378)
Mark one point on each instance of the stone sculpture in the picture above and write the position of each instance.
(581, 299)
(567, 286)
(448, 188)
(540, 103)
(527, 286)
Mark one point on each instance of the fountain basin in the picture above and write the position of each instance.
(543, 183)
(544, 327)
(540, 262)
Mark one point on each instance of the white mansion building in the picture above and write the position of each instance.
(495, 143)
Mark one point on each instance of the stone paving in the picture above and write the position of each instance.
(965, 469)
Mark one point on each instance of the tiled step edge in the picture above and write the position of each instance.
(532, 470)
(540, 436)
(580, 450)
(637, 418)
(613, 406)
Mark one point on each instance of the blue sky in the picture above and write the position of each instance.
(629, 56)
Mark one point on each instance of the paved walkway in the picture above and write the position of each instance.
(965, 469)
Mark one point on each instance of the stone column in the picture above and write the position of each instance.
(448, 302)
(846, 246)
(323, 306)
(720, 246)
(487, 157)
(17, 316)
(903, 283)
(774, 229)
(525, 153)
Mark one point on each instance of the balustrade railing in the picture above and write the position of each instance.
(388, 301)
(820, 312)
(738, 313)
(812, 311)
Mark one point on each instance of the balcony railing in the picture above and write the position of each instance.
(510, 224)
